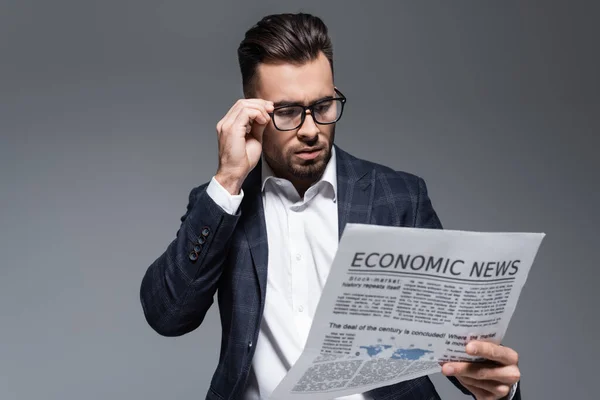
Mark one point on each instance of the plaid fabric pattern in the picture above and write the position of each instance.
(231, 262)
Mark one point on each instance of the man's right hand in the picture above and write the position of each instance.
(240, 134)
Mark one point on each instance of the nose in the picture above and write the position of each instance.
(309, 129)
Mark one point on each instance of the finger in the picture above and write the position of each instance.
(258, 102)
(498, 389)
(508, 374)
(219, 126)
(257, 130)
(245, 119)
(230, 115)
(492, 351)
(258, 115)
(264, 105)
(253, 112)
(480, 394)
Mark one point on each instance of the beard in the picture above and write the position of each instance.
(308, 169)
(288, 165)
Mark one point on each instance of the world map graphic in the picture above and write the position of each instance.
(412, 353)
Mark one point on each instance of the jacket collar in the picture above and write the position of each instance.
(354, 177)
(354, 201)
(329, 175)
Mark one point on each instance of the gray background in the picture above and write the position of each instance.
(107, 119)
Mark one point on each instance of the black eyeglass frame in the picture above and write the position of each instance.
(310, 107)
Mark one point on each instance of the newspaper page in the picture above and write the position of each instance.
(398, 301)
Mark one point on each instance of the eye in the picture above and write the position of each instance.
(323, 107)
(287, 112)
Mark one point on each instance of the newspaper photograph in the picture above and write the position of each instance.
(398, 301)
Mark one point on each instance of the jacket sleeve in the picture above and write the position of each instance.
(426, 217)
(178, 287)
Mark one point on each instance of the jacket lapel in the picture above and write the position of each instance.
(255, 227)
(355, 191)
(356, 188)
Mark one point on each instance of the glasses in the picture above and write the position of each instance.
(324, 112)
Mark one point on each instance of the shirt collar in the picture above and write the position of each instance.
(329, 175)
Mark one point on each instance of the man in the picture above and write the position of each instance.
(263, 232)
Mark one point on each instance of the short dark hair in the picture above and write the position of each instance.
(292, 38)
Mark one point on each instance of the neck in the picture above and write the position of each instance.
(301, 184)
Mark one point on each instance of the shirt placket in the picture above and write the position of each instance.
(298, 259)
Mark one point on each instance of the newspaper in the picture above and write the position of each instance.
(398, 301)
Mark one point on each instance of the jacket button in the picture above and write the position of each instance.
(201, 240)
(193, 256)
(205, 231)
(249, 345)
(197, 248)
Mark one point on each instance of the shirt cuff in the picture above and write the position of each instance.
(227, 201)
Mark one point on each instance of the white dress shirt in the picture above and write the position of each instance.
(303, 239)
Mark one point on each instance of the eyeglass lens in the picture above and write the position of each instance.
(325, 112)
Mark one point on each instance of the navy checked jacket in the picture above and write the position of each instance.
(218, 253)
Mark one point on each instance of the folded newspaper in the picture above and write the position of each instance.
(398, 301)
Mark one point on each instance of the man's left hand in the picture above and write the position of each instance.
(490, 380)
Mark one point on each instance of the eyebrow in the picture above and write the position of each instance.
(283, 103)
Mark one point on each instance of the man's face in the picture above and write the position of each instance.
(300, 155)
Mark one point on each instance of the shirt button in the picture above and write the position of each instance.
(300, 308)
(298, 256)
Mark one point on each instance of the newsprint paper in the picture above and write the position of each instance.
(398, 301)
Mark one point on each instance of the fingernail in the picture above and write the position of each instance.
(449, 370)
(471, 348)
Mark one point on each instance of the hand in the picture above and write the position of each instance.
(240, 141)
(486, 380)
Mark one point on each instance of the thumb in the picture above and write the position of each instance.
(257, 130)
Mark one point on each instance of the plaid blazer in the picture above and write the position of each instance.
(215, 252)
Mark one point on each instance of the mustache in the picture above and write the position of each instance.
(309, 148)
